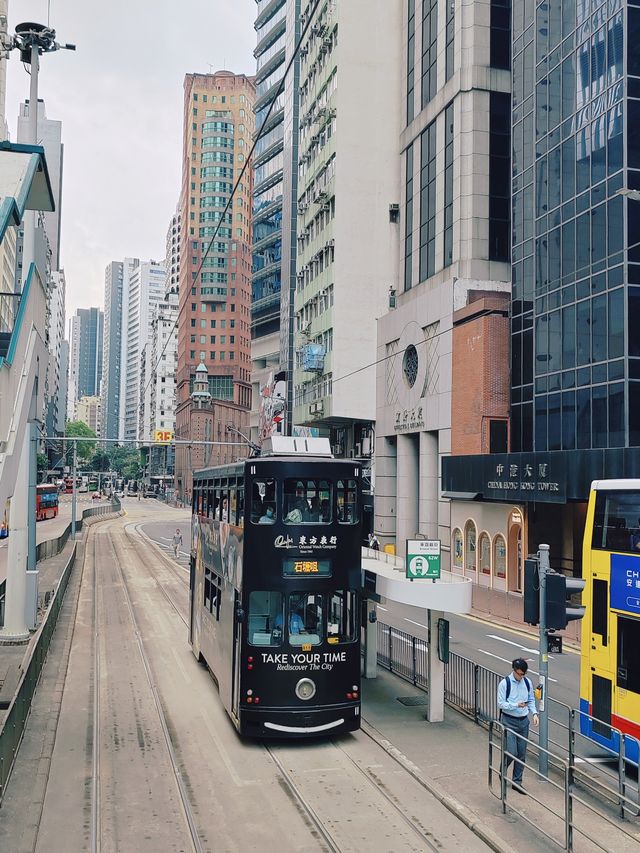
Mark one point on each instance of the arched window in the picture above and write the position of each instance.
(470, 563)
(456, 541)
(499, 556)
(484, 549)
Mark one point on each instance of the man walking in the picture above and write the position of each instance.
(515, 701)
(176, 542)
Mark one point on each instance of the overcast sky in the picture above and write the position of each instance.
(119, 97)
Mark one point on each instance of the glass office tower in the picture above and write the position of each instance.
(575, 237)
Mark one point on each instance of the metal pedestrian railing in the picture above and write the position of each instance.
(472, 689)
(568, 811)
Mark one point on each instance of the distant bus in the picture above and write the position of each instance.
(46, 501)
(68, 484)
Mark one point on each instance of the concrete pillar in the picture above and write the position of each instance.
(370, 644)
(429, 485)
(408, 490)
(435, 703)
(385, 502)
(15, 628)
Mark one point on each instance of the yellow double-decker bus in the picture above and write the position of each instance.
(610, 666)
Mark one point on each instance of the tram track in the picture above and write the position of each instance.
(185, 804)
(330, 828)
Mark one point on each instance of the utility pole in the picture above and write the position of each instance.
(75, 490)
(543, 666)
(31, 40)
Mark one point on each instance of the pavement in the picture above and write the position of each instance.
(450, 759)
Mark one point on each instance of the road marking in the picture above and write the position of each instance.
(529, 671)
(595, 760)
(419, 624)
(380, 607)
(517, 645)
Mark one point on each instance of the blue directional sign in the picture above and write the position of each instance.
(625, 583)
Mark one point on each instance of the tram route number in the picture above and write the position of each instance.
(300, 662)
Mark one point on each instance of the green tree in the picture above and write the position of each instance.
(86, 449)
(42, 464)
(100, 461)
(126, 461)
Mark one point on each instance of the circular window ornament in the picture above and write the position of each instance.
(410, 365)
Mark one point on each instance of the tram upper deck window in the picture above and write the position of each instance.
(265, 619)
(347, 501)
(616, 525)
(307, 501)
(263, 502)
(342, 617)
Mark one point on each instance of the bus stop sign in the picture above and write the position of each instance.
(423, 559)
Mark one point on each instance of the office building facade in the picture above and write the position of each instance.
(575, 390)
(113, 286)
(215, 257)
(85, 359)
(143, 290)
(453, 265)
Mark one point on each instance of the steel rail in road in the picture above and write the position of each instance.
(95, 751)
(182, 789)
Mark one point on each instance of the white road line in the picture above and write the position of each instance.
(517, 645)
(380, 607)
(529, 671)
(419, 624)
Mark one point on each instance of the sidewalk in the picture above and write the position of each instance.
(451, 758)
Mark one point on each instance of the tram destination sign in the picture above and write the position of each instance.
(304, 566)
(423, 559)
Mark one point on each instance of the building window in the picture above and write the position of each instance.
(500, 39)
(408, 221)
(411, 60)
(499, 556)
(429, 50)
(448, 185)
(499, 175)
(450, 36)
(428, 201)
(456, 541)
(484, 547)
(470, 561)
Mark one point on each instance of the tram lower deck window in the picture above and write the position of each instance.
(264, 626)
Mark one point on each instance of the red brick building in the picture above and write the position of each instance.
(215, 272)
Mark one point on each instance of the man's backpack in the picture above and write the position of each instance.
(508, 686)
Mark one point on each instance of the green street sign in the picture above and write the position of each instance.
(423, 559)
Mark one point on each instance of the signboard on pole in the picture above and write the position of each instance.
(163, 436)
(423, 559)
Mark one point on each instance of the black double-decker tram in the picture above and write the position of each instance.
(275, 588)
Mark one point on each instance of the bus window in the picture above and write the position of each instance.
(305, 618)
(265, 611)
(307, 502)
(628, 675)
(341, 617)
(263, 497)
(616, 524)
(347, 502)
(600, 609)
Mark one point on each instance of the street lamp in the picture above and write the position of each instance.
(633, 195)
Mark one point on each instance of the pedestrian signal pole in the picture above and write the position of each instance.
(543, 666)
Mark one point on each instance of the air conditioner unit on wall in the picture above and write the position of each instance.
(316, 408)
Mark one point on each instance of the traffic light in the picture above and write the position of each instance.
(560, 610)
(443, 640)
(531, 592)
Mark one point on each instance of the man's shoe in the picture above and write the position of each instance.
(517, 786)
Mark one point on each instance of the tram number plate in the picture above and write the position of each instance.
(306, 647)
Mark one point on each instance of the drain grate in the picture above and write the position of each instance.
(412, 700)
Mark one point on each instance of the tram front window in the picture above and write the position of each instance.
(305, 618)
(341, 617)
(265, 619)
(307, 502)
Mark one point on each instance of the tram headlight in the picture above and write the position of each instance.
(305, 689)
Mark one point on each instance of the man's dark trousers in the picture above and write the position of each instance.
(516, 745)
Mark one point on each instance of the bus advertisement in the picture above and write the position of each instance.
(46, 501)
